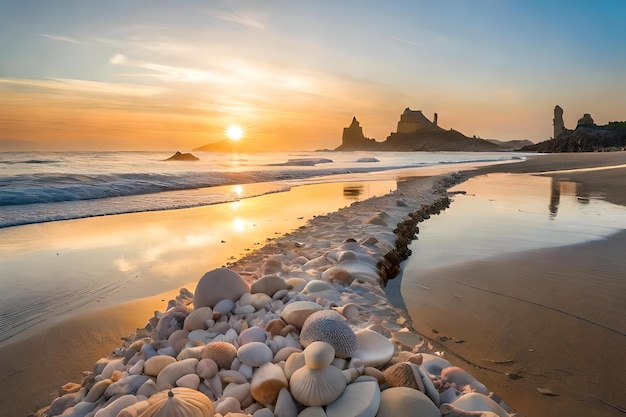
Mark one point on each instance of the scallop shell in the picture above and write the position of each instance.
(404, 374)
(316, 387)
(330, 327)
(223, 353)
(318, 355)
(374, 349)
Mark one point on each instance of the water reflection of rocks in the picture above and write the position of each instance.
(566, 188)
(353, 192)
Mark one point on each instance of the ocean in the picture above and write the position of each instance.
(37, 187)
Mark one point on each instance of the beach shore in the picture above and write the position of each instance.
(79, 341)
(549, 320)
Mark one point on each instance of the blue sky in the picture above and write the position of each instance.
(174, 74)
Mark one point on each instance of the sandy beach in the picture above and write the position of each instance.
(553, 317)
(592, 320)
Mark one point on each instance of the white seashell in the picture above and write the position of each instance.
(199, 335)
(312, 412)
(253, 334)
(255, 354)
(197, 319)
(349, 311)
(405, 402)
(296, 284)
(222, 353)
(478, 402)
(284, 353)
(238, 391)
(227, 405)
(330, 327)
(267, 382)
(285, 405)
(293, 363)
(374, 349)
(297, 312)
(260, 301)
(171, 373)
(137, 368)
(316, 387)
(318, 355)
(359, 399)
(228, 376)
(224, 307)
(191, 381)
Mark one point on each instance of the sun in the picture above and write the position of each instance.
(234, 132)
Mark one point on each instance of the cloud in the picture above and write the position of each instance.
(84, 86)
(406, 41)
(117, 59)
(61, 38)
(235, 18)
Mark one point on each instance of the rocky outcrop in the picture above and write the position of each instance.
(558, 123)
(584, 139)
(353, 138)
(178, 156)
(587, 137)
(414, 133)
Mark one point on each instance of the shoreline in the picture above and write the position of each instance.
(368, 209)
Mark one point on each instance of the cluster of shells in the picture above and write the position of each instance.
(270, 350)
(303, 335)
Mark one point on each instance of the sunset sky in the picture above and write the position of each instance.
(174, 75)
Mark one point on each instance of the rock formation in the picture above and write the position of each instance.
(558, 121)
(178, 156)
(414, 133)
(587, 137)
(353, 138)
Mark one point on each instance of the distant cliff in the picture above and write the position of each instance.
(587, 137)
(415, 132)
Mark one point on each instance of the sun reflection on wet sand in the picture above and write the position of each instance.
(113, 259)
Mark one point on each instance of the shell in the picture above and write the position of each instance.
(360, 399)
(294, 362)
(318, 355)
(479, 402)
(404, 374)
(297, 312)
(330, 327)
(155, 364)
(316, 387)
(267, 382)
(316, 286)
(405, 402)
(269, 284)
(172, 372)
(374, 349)
(179, 402)
(255, 354)
(223, 353)
(461, 377)
(252, 334)
(197, 319)
(217, 285)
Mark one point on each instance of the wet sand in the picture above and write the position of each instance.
(554, 317)
(78, 342)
